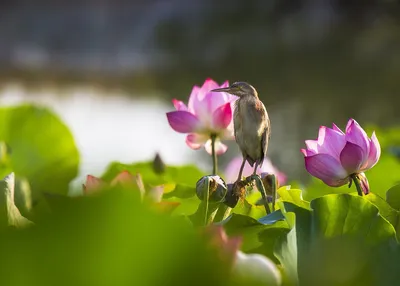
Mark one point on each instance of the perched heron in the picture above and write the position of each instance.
(251, 124)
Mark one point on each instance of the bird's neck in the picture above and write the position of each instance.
(254, 93)
(250, 96)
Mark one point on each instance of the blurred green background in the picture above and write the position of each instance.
(110, 68)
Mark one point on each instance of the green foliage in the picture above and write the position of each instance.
(293, 196)
(181, 191)
(41, 148)
(322, 236)
(179, 182)
(342, 241)
(256, 238)
(385, 210)
(185, 176)
(393, 197)
(388, 137)
(249, 208)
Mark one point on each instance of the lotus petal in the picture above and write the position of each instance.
(330, 142)
(222, 117)
(374, 153)
(352, 158)
(356, 135)
(179, 105)
(183, 121)
(220, 148)
(196, 141)
(326, 168)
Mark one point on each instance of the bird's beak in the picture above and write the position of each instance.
(224, 89)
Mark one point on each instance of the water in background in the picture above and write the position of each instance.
(109, 127)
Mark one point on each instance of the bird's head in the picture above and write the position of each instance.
(240, 89)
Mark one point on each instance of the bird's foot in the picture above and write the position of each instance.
(251, 179)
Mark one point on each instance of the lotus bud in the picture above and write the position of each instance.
(158, 164)
(216, 187)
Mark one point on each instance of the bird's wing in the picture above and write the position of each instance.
(265, 140)
(236, 122)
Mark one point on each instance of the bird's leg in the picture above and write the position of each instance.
(241, 169)
(255, 168)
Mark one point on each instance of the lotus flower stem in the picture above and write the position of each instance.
(212, 212)
(261, 189)
(357, 183)
(205, 201)
(210, 209)
(214, 154)
(223, 212)
(208, 213)
(273, 187)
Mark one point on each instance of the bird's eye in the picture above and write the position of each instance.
(235, 85)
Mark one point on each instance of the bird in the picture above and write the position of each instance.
(251, 124)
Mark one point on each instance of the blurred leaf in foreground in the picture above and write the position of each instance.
(342, 241)
(258, 236)
(183, 175)
(393, 197)
(179, 182)
(9, 213)
(132, 183)
(109, 239)
(42, 148)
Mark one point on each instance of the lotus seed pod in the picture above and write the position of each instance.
(215, 185)
(235, 192)
(268, 180)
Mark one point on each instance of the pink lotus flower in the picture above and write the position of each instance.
(207, 113)
(232, 170)
(335, 156)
